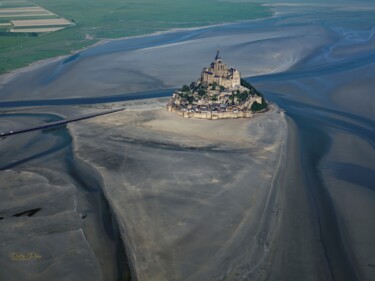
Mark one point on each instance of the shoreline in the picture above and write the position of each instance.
(40, 63)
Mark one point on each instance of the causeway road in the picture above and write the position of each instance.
(59, 123)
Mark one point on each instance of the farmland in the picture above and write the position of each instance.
(40, 25)
(23, 18)
(100, 19)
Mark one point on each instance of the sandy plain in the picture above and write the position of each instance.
(194, 198)
(49, 228)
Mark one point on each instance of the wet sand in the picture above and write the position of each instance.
(348, 172)
(193, 197)
(296, 251)
(55, 223)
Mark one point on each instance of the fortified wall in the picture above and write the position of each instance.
(211, 115)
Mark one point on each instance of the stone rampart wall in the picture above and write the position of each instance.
(211, 115)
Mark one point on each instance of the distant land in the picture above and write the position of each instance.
(97, 20)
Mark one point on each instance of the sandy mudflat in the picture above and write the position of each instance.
(296, 252)
(348, 173)
(193, 197)
(41, 232)
(49, 229)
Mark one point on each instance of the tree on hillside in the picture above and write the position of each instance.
(201, 92)
(252, 89)
(258, 107)
(242, 96)
(185, 88)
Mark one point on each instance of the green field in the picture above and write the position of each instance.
(15, 4)
(99, 19)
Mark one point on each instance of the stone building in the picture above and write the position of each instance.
(230, 100)
(219, 73)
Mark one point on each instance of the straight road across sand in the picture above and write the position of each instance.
(58, 123)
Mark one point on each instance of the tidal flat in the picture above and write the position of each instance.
(195, 199)
(192, 189)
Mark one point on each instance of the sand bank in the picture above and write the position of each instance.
(191, 196)
(41, 230)
(50, 229)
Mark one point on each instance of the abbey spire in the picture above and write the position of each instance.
(219, 73)
(218, 57)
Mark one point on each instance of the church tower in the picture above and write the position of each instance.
(220, 69)
(219, 73)
(218, 57)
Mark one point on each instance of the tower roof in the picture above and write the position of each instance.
(218, 57)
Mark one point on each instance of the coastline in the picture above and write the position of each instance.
(102, 41)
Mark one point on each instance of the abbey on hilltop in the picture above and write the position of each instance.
(218, 94)
(220, 74)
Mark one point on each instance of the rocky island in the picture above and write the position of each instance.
(219, 93)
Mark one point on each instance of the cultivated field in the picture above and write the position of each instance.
(37, 29)
(23, 10)
(24, 17)
(46, 22)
